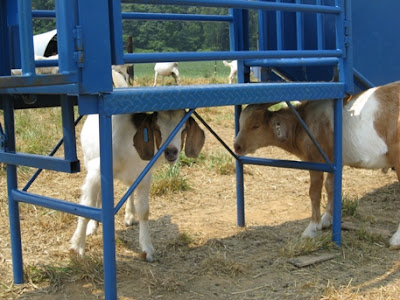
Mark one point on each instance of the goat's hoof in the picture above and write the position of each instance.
(75, 252)
(309, 234)
(130, 223)
(326, 220)
(394, 243)
(144, 256)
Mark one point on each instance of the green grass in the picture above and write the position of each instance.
(221, 162)
(168, 180)
(349, 206)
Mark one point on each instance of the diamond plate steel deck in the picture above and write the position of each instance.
(143, 99)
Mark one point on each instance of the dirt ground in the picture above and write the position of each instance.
(200, 251)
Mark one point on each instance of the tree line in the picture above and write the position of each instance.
(164, 36)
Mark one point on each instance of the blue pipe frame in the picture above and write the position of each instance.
(76, 80)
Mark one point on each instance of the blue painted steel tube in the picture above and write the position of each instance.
(362, 79)
(39, 161)
(279, 24)
(117, 47)
(244, 4)
(291, 164)
(337, 178)
(12, 183)
(241, 221)
(25, 36)
(67, 109)
(4, 43)
(299, 29)
(319, 29)
(67, 39)
(293, 62)
(43, 14)
(175, 17)
(57, 204)
(107, 202)
(220, 55)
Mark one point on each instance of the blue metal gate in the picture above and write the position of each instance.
(308, 42)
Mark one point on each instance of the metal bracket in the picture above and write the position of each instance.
(78, 54)
(347, 35)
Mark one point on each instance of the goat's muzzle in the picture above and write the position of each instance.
(238, 148)
(171, 154)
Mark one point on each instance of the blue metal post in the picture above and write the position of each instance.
(239, 177)
(25, 36)
(12, 183)
(67, 109)
(68, 50)
(337, 177)
(237, 31)
(107, 196)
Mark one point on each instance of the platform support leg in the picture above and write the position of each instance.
(107, 194)
(337, 178)
(239, 177)
(12, 183)
(68, 124)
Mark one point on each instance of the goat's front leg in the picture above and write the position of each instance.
(316, 182)
(327, 217)
(130, 211)
(90, 191)
(155, 79)
(142, 209)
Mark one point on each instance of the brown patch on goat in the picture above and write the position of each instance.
(387, 121)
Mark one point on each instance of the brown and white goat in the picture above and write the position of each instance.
(371, 139)
(132, 147)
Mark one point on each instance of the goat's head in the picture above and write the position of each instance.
(153, 129)
(259, 127)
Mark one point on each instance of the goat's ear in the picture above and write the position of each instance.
(143, 140)
(195, 138)
(280, 129)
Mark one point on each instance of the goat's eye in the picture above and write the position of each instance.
(255, 127)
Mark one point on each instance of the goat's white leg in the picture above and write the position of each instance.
(395, 240)
(316, 182)
(155, 79)
(142, 209)
(90, 191)
(92, 226)
(327, 219)
(130, 211)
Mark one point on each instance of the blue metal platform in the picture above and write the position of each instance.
(308, 42)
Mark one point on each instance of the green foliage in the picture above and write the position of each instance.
(167, 36)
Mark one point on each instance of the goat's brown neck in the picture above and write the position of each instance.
(290, 144)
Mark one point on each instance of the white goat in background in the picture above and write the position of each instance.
(371, 140)
(166, 69)
(234, 66)
(147, 132)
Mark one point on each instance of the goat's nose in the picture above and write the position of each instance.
(171, 153)
(237, 147)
